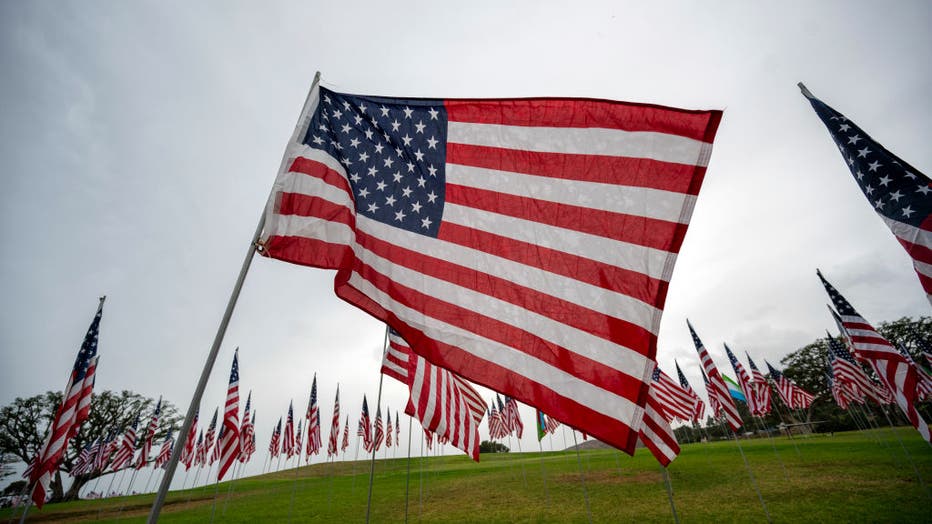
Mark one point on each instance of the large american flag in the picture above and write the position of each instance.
(229, 443)
(313, 422)
(145, 448)
(655, 432)
(525, 244)
(334, 426)
(888, 364)
(698, 411)
(675, 402)
(745, 383)
(897, 191)
(761, 388)
(365, 426)
(715, 386)
(792, 395)
(288, 433)
(72, 412)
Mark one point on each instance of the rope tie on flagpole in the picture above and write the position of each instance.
(582, 475)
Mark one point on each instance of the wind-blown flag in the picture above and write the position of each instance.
(145, 449)
(849, 377)
(345, 443)
(761, 388)
(397, 430)
(881, 394)
(288, 433)
(229, 444)
(379, 428)
(107, 448)
(839, 393)
(525, 244)
(72, 412)
(893, 370)
(926, 348)
(656, 433)
(734, 389)
(541, 424)
(165, 453)
(298, 439)
(365, 427)
(127, 447)
(274, 448)
(792, 395)
(247, 432)
(81, 463)
(744, 381)
(698, 411)
(313, 422)
(388, 428)
(923, 381)
(209, 437)
(200, 456)
(188, 452)
(334, 426)
(215, 454)
(513, 416)
(719, 397)
(496, 425)
(552, 424)
(897, 191)
(675, 402)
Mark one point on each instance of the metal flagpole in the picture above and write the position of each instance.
(751, 475)
(218, 340)
(908, 456)
(523, 472)
(543, 473)
(582, 475)
(773, 445)
(378, 407)
(666, 479)
(355, 460)
(408, 476)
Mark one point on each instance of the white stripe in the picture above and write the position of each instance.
(395, 367)
(909, 233)
(640, 259)
(583, 141)
(555, 379)
(604, 301)
(582, 343)
(629, 200)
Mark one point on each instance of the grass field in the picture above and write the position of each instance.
(848, 477)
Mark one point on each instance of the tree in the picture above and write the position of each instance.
(23, 425)
(492, 447)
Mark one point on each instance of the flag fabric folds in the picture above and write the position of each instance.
(719, 397)
(229, 444)
(674, 401)
(656, 433)
(188, 452)
(792, 395)
(891, 367)
(72, 412)
(379, 429)
(397, 430)
(513, 416)
(745, 382)
(313, 422)
(897, 191)
(275, 441)
(345, 443)
(334, 427)
(165, 453)
(734, 389)
(698, 411)
(127, 447)
(761, 388)
(145, 448)
(247, 432)
(526, 244)
(365, 427)
(209, 438)
(388, 428)
(288, 433)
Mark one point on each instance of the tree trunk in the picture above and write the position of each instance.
(75, 488)
(56, 487)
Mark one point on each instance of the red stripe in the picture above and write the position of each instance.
(649, 232)
(585, 112)
(612, 329)
(318, 170)
(310, 206)
(636, 172)
(306, 251)
(632, 283)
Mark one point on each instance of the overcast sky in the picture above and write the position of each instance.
(139, 141)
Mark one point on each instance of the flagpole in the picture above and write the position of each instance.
(215, 349)
(543, 472)
(666, 479)
(751, 475)
(582, 476)
(408, 476)
(378, 407)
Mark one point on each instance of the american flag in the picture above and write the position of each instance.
(229, 443)
(334, 426)
(105, 451)
(313, 424)
(288, 433)
(379, 428)
(525, 244)
(897, 191)
(761, 388)
(365, 426)
(503, 415)
(552, 424)
(744, 382)
(926, 348)
(877, 392)
(127, 447)
(674, 401)
(513, 416)
(247, 432)
(397, 429)
(839, 392)
(165, 454)
(187, 453)
(395, 358)
(345, 443)
(656, 433)
(215, 454)
(388, 428)
(496, 424)
(715, 386)
(714, 406)
(209, 437)
(429, 438)
(698, 411)
(71, 413)
(792, 395)
(274, 448)
(893, 370)
(298, 441)
(82, 462)
(200, 456)
(145, 448)
(848, 375)
(923, 381)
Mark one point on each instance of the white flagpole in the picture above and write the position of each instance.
(215, 348)
(378, 407)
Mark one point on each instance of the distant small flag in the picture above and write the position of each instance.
(288, 433)
(365, 427)
(792, 395)
(215, 454)
(345, 443)
(145, 449)
(165, 453)
(513, 416)
(379, 429)
(388, 428)
(127, 448)
(298, 440)
(274, 447)
(247, 432)
(229, 444)
(698, 411)
(200, 454)
(397, 429)
(675, 402)
(334, 426)
(761, 388)
(209, 437)
(313, 422)
(188, 452)
(715, 386)
(656, 433)
(745, 382)
(541, 424)
(733, 388)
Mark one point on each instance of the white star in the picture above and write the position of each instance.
(868, 190)
(433, 113)
(380, 186)
(372, 171)
(884, 180)
(338, 145)
(397, 177)
(345, 161)
(416, 207)
(388, 162)
(431, 197)
(859, 174)
(907, 211)
(896, 195)
(408, 111)
(418, 155)
(374, 121)
(878, 203)
(410, 167)
(844, 128)
(379, 148)
(373, 207)
(406, 139)
(337, 114)
(355, 177)
(850, 160)
(369, 134)
(395, 125)
(387, 137)
(910, 176)
(854, 139)
(432, 143)
(425, 223)
(399, 152)
(363, 156)
(924, 190)
(322, 127)
(354, 142)
(432, 170)
(420, 126)
(400, 215)
(364, 192)
(390, 201)
(406, 192)
(862, 153)
(384, 110)
(327, 99)
(318, 140)
(362, 107)
(357, 119)
(421, 182)
(873, 165)
(346, 105)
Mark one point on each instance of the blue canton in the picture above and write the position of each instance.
(394, 153)
(88, 348)
(234, 371)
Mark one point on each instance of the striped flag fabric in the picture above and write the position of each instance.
(80, 466)
(288, 433)
(298, 440)
(247, 432)
(839, 393)
(496, 426)
(200, 456)
(388, 428)
(274, 443)
(229, 443)
(72, 412)
(215, 454)
(513, 416)
(395, 358)
(165, 453)
(397, 429)
(698, 411)
(745, 382)
(891, 368)
(365, 427)
(552, 424)
(105, 452)
(897, 192)
(792, 395)
(188, 452)
(127, 447)
(714, 405)
(379, 429)
(345, 443)
(210, 436)
(848, 376)
(877, 391)
(334, 426)
(715, 386)
(656, 433)
(923, 381)
(761, 388)
(145, 448)
(526, 244)
(313, 422)
(674, 401)
(926, 349)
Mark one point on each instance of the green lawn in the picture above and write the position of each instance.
(848, 477)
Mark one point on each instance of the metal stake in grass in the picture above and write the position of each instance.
(582, 475)
(666, 479)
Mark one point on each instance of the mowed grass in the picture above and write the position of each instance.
(848, 477)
